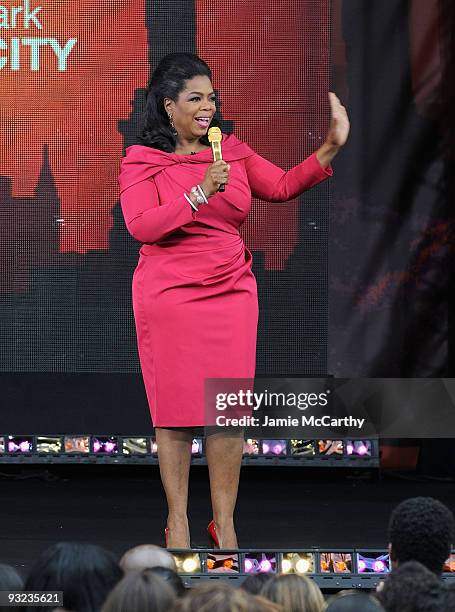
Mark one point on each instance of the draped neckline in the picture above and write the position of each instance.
(142, 163)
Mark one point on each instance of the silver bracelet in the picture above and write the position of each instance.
(198, 194)
(193, 205)
(201, 191)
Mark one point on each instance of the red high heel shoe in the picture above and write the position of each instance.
(211, 528)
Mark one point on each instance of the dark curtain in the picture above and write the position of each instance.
(390, 226)
(391, 246)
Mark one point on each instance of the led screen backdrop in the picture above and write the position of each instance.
(72, 80)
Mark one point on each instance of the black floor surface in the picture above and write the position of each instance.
(119, 507)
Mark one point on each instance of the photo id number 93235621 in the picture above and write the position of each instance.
(39, 598)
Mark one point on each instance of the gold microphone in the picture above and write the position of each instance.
(215, 138)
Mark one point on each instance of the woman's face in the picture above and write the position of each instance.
(194, 109)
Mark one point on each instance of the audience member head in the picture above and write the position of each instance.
(84, 572)
(450, 596)
(262, 604)
(412, 588)
(222, 597)
(254, 582)
(140, 591)
(147, 556)
(10, 580)
(421, 529)
(172, 579)
(294, 592)
(353, 601)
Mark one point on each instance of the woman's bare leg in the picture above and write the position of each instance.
(224, 457)
(174, 454)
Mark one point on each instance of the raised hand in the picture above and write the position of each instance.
(337, 134)
(339, 122)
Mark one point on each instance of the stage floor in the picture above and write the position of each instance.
(119, 507)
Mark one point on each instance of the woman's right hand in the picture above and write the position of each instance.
(217, 174)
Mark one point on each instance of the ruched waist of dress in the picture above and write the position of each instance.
(227, 260)
(193, 245)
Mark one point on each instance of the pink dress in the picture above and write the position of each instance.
(194, 294)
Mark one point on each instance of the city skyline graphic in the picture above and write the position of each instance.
(65, 305)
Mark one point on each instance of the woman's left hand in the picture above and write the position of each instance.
(337, 134)
(339, 123)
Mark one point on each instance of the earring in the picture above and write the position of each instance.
(171, 123)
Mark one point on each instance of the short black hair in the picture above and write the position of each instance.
(421, 529)
(351, 601)
(254, 582)
(86, 573)
(413, 587)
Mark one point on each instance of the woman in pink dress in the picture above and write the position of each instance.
(194, 294)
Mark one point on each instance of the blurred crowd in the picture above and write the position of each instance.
(420, 537)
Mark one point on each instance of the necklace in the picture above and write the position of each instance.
(193, 152)
(188, 153)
